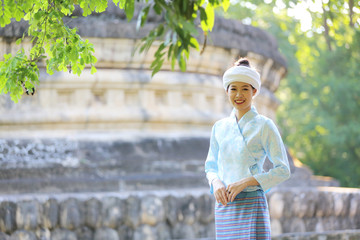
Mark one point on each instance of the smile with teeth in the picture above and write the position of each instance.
(239, 101)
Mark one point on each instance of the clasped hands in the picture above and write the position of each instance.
(224, 195)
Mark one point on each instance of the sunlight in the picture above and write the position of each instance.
(300, 12)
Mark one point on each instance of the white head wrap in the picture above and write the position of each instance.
(242, 74)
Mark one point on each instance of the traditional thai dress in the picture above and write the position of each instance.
(238, 150)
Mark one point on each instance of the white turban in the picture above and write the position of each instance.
(242, 74)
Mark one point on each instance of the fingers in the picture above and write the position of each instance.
(221, 196)
(231, 194)
(224, 197)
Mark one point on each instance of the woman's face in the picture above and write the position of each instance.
(240, 95)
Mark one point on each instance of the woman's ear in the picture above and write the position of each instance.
(254, 91)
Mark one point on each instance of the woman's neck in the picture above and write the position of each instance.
(239, 114)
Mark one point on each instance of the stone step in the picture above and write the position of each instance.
(100, 163)
(127, 182)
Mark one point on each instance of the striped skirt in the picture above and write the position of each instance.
(247, 217)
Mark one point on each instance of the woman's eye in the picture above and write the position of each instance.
(233, 89)
(245, 89)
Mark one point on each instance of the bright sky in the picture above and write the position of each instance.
(299, 11)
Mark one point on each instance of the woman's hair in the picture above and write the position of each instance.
(242, 62)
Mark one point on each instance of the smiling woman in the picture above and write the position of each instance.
(239, 145)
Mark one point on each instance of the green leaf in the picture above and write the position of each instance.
(210, 14)
(225, 4)
(142, 17)
(194, 43)
(157, 68)
(3, 81)
(93, 70)
(157, 8)
(189, 27)
(117, 2)
(182, 62)
(129, 9)
(160, 30)
(18, 42)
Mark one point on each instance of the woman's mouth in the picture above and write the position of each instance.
(239, 101)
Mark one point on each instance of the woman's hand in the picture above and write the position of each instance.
(235, 188)
(219, 192)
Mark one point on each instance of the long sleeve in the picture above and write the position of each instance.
(211, 163)
(275, 150)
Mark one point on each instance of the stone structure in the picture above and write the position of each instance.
(122, 95)
(120, 128)
(171, 215)
(120, 124)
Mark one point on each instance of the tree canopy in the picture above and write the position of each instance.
(63, 49)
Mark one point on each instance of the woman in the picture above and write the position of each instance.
(239, 145)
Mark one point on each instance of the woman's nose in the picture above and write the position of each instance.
(239, 94)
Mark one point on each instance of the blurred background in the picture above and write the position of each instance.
(120, 155)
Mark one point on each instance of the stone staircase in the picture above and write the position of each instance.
(92, 165)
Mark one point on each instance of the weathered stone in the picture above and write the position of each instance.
(311, 200)
(7, 217)
(341, 203)
(187, 209)
(93, 213)
(276, 227)
(28, 214)
(182, 231)
(347, 223)
(125, 232)
(205, 231)
(354, 209)
(319, 227)
(296, 225)
(71, 214)
(84, 233)
(325, 204)
(23, 235)
(288, 197)
(50, 214)
(310, 224)
(299, 204)
(152, 210)
(4, 236)
(43, 234)
(106, 234)
(62, 234)
(276, 205)
(113, 212)
(330, 223)
(330, 235)
(163, 231)
(132, 218)
(205, 208)
(145, 232)
(171, 210)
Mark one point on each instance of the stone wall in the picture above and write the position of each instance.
(327, 235)
(178, 214)
(314, 209)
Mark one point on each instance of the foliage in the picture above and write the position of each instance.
(320, 94)
(63, 49)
